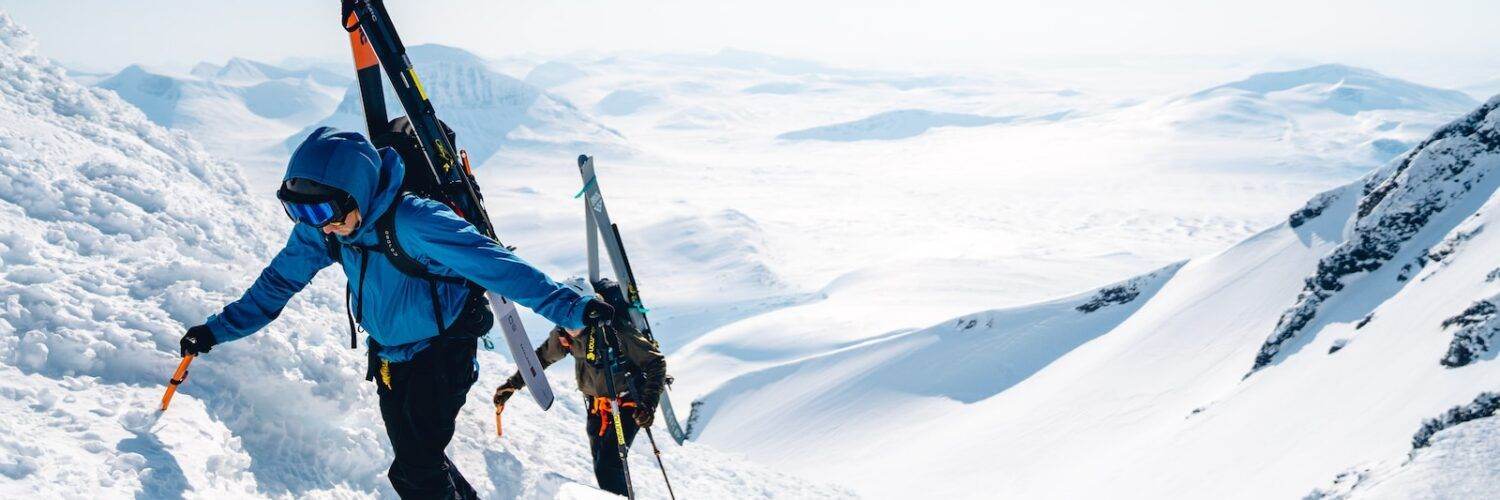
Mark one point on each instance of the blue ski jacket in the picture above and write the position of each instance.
(397, 309)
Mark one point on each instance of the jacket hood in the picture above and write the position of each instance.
(347, 161)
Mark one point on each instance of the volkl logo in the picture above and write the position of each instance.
(596, 203)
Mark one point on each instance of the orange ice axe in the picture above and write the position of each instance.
(177, 378)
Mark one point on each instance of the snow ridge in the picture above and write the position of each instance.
(1399, 202)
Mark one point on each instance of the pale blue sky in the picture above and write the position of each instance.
(1453, 39)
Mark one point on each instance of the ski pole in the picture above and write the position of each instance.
(659, 464)
(635, 388)
(177, 378)
(614, 404)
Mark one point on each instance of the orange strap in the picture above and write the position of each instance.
(601, 407)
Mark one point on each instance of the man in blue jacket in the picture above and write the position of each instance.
(338, 184)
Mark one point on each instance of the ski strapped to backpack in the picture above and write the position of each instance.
(597, 220)
(375, 45)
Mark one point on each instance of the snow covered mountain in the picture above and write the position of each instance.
(488, 110)
(240, 70)
(239, 114)
(118, 233)
(1322, 108)
(1348, 351)
(892, 125)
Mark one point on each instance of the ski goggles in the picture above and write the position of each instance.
(315, 211)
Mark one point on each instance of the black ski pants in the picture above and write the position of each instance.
(419, 401)
(604, 445)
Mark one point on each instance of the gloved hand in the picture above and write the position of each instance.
(198, 340)
(503, 393)
(645, 415)
(598, 313)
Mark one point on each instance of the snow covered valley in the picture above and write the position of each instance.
(869, 283)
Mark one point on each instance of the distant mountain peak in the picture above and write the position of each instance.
(1347, 89)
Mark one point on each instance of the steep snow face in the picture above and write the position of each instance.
(489, 111)
(1427, 192)
(117, 235)
(1147, 397)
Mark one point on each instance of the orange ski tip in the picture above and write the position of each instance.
(364, 53)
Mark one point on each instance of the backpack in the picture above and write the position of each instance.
(475, 319)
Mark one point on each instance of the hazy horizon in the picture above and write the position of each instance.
(1443, 43)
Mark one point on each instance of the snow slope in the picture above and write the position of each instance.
(119, 233)
(1382, 278)
(488, 110)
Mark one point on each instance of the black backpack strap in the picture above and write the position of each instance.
(335, 252)
(390, 245)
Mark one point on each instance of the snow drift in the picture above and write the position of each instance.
(117, 235)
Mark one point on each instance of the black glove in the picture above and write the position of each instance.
(198, 340)
(645, 415)
(503, 393)
(597, 313)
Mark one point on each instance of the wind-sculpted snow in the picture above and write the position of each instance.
(1400, 201)
(117, 235)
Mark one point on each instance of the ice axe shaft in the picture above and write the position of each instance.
(177, 378)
